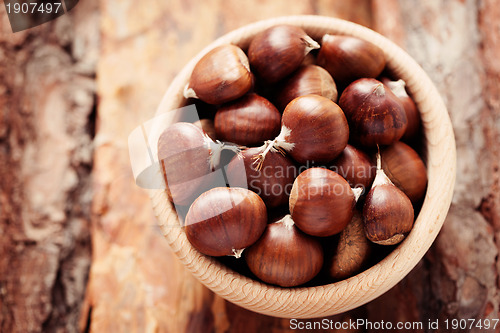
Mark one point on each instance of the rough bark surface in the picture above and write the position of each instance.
(47, 97)
(61, 187)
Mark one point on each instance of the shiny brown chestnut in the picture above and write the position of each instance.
(187, 158)
(387, 211)
(398, 88)
(352, 250)
(224, 221)
(249, 120)
(321, 202)
(222, 75)
(285, 256)
(349, 58)
(272, 180)
(356, 167)
(313, 128)
(376, 116)
(310, 79)
(278, 51)
(207, 125)
(405, 169)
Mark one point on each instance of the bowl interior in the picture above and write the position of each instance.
(353, 292)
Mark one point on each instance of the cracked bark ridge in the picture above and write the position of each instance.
(47, 98)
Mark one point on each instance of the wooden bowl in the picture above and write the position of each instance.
(326, 300)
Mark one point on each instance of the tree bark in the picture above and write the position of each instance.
(47, 97)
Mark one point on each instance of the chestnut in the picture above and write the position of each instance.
(187, 157)
(376, 116)
(321, 202)
(309, 59)
(310, 79)
(249, 120)
(405, 169)
(224, 221)
(278, 51)
(356, 167)
(398, 88)
(207, 125)
(349, 58)
(272, 180)
(222, 75)
(387, 211)
(181, 147)
(285, 256)
(313, 128)
(352, 250)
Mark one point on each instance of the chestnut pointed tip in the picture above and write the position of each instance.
(281, 140)
(381, 177)
(243, 59)
(266, 148)
(399, 88)
(357, 193)
(237, 253)
(325, 38)
(311, 44)
(189, 92)
(287, 221)
(379, 90)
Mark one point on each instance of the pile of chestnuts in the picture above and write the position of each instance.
(317, 143)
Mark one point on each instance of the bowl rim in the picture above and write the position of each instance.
(338, 297)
